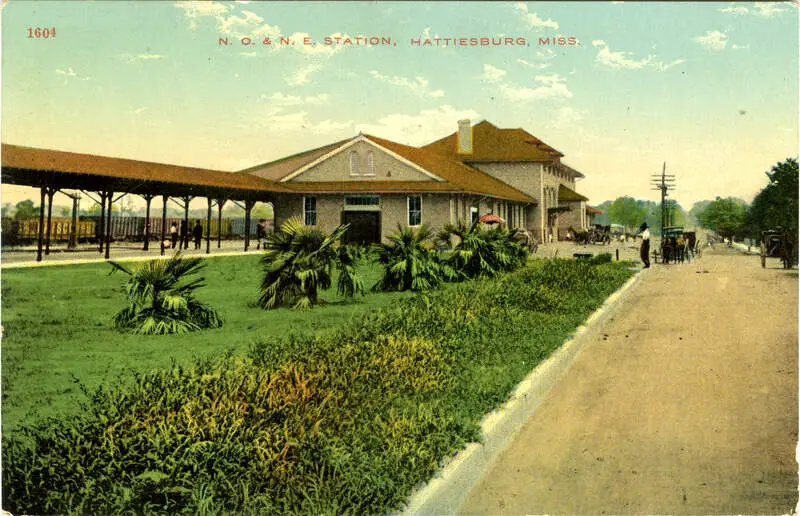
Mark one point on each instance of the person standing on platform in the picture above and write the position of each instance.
(197, 233)
(173, 233)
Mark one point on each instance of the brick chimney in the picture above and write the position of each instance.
(464, 137)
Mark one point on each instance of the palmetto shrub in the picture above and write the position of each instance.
(299, 262)
(409, 261)
(161, 299)
(484, 252)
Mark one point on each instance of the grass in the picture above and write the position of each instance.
(57, 329)
(345, 421)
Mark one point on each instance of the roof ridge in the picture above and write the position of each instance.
(296, 155)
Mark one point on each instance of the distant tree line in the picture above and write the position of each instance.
(775, 206)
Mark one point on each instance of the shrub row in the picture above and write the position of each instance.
(348, 422)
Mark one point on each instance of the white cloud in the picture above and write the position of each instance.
(539, 66)
(661, 67)
(714, 40)
(139, 111)
(624, 60)
(739, 47)
(419, 85)
(533, 20)
(302, 75)
(200, 9)
(70, 74)
(329, 127)
(271, 117)
(567, 117)
(734, 9)
(418, 129)
(281, 100)
(492, 74)
(299, 123)
(148, 57)
(618, 59)
(762, 9)
(547, 87)
(767, 10)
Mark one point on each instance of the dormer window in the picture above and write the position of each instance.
(355, 170)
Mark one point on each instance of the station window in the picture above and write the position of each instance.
(310, 211)
(355, 170)
(361, 200)
(414, 210)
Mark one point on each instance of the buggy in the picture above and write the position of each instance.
(781, 244)
(673, 244)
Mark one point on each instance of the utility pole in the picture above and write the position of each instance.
(664, 182)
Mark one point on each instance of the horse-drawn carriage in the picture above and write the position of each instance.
(677, 245)
(779, 244)
(597, 234)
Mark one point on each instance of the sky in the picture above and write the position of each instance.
(709, 88)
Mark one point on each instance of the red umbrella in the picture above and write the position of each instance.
(491, 219)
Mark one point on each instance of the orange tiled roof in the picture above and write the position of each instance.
(490, 143)
(277, 170)
(463, 177)
(29, 158)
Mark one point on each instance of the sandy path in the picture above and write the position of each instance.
(688, 405)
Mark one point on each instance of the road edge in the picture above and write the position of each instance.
(447, 491)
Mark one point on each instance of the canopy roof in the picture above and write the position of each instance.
(36, 167)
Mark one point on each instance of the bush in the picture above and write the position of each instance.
(409, 262)
(160, 299)
(484, 252)
(299, 262)
(347, 422)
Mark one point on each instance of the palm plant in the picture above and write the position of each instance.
(409, 263)
(485, 252)
(299, 262)
(161, 300)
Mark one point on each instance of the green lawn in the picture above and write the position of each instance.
(57, 329)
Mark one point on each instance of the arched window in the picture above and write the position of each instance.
(354, 168)
(370, 163)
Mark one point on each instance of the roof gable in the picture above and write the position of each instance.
(350, 144)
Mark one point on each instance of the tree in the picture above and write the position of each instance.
(627, 211)
(299, 261)
(26, 210)
(726, 217)
(160, 299)
(776, 204)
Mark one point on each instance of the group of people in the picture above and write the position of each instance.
(181, 240)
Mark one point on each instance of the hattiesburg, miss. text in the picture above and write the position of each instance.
(422, 42)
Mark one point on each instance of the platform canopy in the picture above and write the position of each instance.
(59, 169)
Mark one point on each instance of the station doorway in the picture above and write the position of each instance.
(365, 227)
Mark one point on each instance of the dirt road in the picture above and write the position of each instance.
(687, 405)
